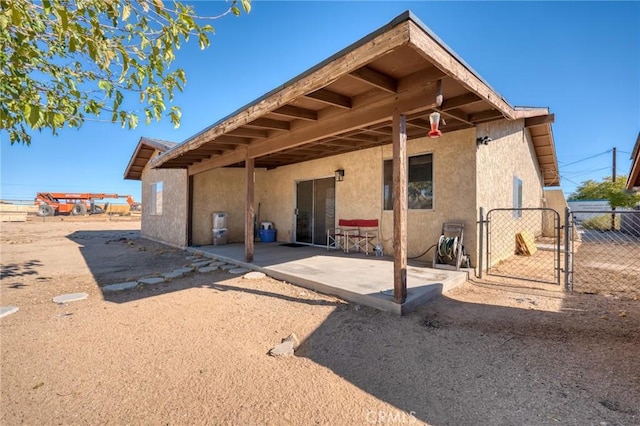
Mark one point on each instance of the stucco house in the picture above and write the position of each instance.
(362, 114)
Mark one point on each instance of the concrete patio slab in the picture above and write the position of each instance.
(353, 277)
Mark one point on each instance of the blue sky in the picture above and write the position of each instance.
(580, 59)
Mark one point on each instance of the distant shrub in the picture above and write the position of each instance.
(601, 223)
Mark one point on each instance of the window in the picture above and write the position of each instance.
(517, 197)
(419, 185)
(156, 198)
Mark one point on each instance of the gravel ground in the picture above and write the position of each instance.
(194, 350)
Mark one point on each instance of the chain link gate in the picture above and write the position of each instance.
(524, 244)
(604, 248)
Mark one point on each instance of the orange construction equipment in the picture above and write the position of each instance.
(52, 203)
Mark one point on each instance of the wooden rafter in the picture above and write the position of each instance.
(488, 115)
(269, 123)
(376, 79)
(249, 133)
(330, 98)
(296, 112)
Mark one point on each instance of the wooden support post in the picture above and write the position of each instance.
(399, 207)
(249, 213)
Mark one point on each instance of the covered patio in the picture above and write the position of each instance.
(354, 277)
(381, 91)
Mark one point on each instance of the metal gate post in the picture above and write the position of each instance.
(556, 219)
(481, 242)
(567, 246)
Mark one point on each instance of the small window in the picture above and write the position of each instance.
(517, 197)
(156, 198)
(419, 185)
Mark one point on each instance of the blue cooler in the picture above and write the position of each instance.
(267, 235)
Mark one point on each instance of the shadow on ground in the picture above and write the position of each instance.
(13, 270)
(448, 363)
(460, 363)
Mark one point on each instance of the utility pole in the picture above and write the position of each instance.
(613, 180)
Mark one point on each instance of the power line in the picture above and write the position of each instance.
(588, 158)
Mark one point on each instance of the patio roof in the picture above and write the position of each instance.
(346, 103)
(633, 181)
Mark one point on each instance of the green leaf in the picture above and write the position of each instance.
(34, 116)
(246, 5)
(235, 10)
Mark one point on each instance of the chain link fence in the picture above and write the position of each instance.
(605, 252)
(524, 244)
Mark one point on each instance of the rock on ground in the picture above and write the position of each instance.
(71, 297)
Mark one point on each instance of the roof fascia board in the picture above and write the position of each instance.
(633, 179)
(151, 143)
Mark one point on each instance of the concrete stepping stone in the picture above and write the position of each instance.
(151, 280)
(217, 263)
(5, 311)
(111, 288)
(208, 269)
(200, 264)
(177, 273)
(228, 266)
(238, 271)
(254, 275)
(71, 297)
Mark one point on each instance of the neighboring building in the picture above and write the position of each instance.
(161, 188)
(349, 113)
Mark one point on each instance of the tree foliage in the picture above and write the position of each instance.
(615, 192)
(66, 61)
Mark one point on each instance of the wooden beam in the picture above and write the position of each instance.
(249, 133)
(233, 140)
(420, 98)
(421, 123)
(269, 123)
(249, 213)
(460, 101)
(400, 173)
(351, 60)
(487, 115)
(537, 121)
(296, 112)
(376, 79)
(456, 115)
(330, 98)
(226, 159)
(414, 98)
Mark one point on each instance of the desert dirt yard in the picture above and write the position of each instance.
(194, 350)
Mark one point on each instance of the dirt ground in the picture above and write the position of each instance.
(194, 350)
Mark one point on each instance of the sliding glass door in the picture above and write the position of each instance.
(315, 210)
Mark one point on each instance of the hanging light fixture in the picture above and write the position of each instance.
(434, 120)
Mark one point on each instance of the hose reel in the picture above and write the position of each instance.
(449, 250)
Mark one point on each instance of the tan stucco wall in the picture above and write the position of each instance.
(554, 199)
(466, 177)
(219, 190)
(509, 154)
(171, 226)
(359, 196)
